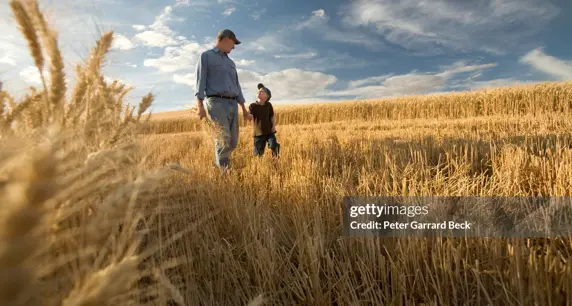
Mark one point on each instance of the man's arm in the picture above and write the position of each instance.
(241, 99)
(201, 78)
(201, 84)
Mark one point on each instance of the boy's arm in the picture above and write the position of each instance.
(250, 115)
(272, 118)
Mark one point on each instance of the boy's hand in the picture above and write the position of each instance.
(273, 129)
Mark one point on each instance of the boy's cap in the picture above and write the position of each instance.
(228, 33)
(260, 85)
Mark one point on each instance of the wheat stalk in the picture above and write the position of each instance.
(27, 28)
(57, 76)
(23, 198)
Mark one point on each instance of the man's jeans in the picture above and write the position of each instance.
(260, 144)
(224, 113)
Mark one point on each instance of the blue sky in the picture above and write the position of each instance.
(309, 51)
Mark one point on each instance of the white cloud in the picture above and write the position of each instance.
(139, 27)
(429, 25)
(177, 58)
(306, 55)
(462, 66)
(8, 59)
(121, 42)
(368, 81)
(244, 62)
(319, 24)
(182, 3)
(185, 79)
(269, 43)
(31, 76)
(309, 60)
(162, 20)
(407, 84)
(319, 13)
(493, 83)
(159, 34)
(155, 39)
(229, 11)
(256, 14)
(286, 85)
(548, 64)
(399, 85)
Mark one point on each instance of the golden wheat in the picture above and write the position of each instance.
(278, 223)
(85, 220)
(73, 192)
(534, 100)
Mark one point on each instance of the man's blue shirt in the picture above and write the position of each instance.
(216, 75)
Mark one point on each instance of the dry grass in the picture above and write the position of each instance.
(86, 219)
(278, 226)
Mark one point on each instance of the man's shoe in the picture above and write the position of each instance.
(276, 151)
(225, 172)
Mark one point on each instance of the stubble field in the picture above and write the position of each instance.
(91, 215)
(279, 227)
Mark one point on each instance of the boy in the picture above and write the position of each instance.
(264, 124)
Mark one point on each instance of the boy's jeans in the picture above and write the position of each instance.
(224, 113)
(260, 144)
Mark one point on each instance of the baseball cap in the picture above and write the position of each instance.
(260, 85)
(228, 33)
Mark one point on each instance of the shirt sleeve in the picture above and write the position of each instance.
(201, 77)
(271, 111)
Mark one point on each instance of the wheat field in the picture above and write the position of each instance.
(94, 212)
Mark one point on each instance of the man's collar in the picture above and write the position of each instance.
(217, 50)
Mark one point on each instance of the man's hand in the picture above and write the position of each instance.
(247, 116)
(201, 110)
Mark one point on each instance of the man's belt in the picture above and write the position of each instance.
(221, 96)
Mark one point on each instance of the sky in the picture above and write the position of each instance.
(306, 51)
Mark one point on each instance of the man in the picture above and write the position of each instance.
(217, 81)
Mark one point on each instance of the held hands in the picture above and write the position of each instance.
(245, 113)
